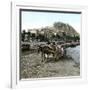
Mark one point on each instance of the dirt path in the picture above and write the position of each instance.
(32, 67)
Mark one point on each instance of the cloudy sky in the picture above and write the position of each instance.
(33, 19)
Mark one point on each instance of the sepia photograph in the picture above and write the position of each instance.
(49, 43)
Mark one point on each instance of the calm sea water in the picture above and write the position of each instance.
(74, 53)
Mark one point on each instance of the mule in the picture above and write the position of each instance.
(56, 51)
(46, 51)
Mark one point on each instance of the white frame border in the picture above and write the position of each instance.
(15, 82)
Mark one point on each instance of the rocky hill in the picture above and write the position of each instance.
(62, 27)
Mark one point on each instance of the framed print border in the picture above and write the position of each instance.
(15, 45)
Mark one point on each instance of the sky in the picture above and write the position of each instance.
(35, 19)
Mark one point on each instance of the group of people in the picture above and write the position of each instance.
(57, 48)
(51, 49)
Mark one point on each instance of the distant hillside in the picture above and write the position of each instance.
(62, 27)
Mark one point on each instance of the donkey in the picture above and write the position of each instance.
(45, 50)
(56, 51)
